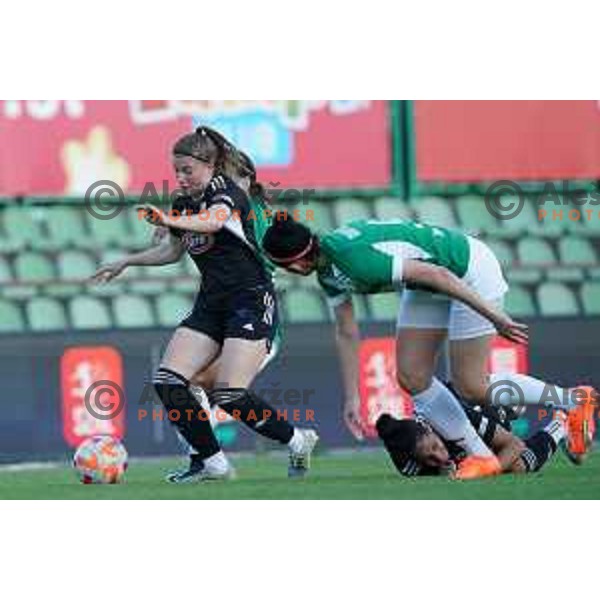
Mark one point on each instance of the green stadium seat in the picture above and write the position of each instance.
(5, 271)
(112, 232)
(23, 225)
(61, 289)
(166, 271)
(590, 298)
(32, 266)
(361, 308)
(75, 264)
(519, 302)
(132, 311)
(11, 318)
(140, 232)
(384, 307)
(503, 252)
(302, 306)
(387, 209)
(89, 313)
(577, 251)
(187, 285)
(435, 211)
(322, 215)
(66, 228)
(148, 287)
(46, 314)
(525, 276)
(535, 252)
(474, 217)
(556, 300)
(172, 308)
(565, 274)
(350, 209)
(19, 291)
(525, 222)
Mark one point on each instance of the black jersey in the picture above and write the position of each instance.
(228, 260)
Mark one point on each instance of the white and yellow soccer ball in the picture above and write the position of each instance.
(101, 459)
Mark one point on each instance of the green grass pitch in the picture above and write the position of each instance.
(358, 475)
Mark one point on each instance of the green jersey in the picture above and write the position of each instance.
(367, 257)
(262, 221)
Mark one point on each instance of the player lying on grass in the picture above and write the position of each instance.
(453, 291)
(417, 450)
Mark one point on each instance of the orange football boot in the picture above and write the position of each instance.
(476, 467)
(580, 426)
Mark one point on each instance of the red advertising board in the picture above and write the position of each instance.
(60, 147)
(379, 390)
(92, 393)
(471, 141)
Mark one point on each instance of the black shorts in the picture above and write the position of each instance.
(248, 315)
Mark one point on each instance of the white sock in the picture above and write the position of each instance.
(516, 389)
(556, 430)
(217, 462)
(440, 408)
(296, 444)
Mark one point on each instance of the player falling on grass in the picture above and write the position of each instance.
(452, 288)
(416, 449)
(235, 314)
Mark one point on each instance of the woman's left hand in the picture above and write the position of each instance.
(153, 215)
(511, 330)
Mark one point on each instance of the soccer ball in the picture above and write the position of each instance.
(101, 459)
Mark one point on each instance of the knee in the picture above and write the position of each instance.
(414, 380)
(470, 391)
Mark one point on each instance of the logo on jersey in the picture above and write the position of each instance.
(198, 243)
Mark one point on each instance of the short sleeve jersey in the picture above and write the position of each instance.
(367, 257)
(228, 260)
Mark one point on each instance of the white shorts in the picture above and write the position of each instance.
(425, 310)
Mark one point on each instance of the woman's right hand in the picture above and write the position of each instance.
(352, 418)
(109, 271)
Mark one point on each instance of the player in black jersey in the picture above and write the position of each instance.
(235, 314)
(417, 450)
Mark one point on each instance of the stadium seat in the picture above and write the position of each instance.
(577, 251)
(503, 252)
(5, 271)
(66, 228)
(148, 287)
(384, 307)
(11, 318)
(556, 300)
(166, 271)
(132, 311)
(535, 252)
(187, 285)
(172, 308)
(19, 291)
(46, 314)
(435, 211)
(361, 309)
(565, 274)
(75, 264)
(32, 266)
(525, 222)
(140, 232)
(60, 289)
(350, 209)
(322, 215)
(590, 298)
(474, 217)
(22, 226)
(111, 232)
(89, 313)
(519, 302)
(387, 209)
(302, 306)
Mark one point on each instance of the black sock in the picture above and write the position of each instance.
(185, 412)
(254, 412)
(540, 449)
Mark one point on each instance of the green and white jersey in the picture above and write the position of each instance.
(367, 257)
